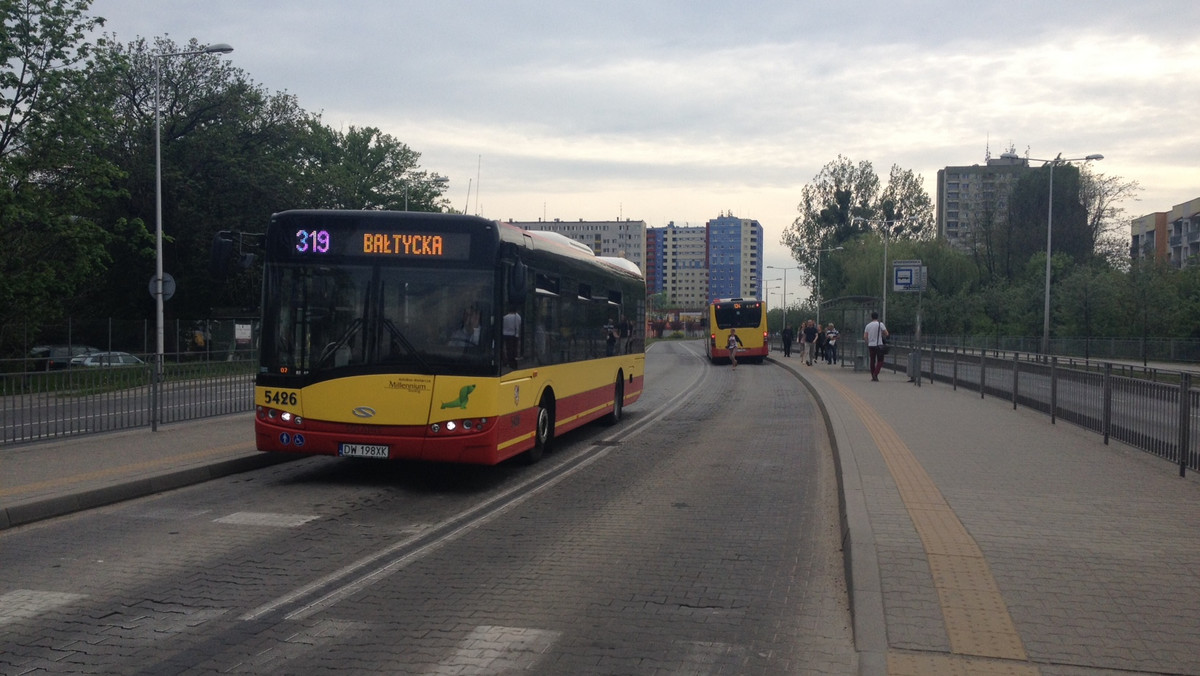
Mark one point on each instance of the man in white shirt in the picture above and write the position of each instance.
(874, 335)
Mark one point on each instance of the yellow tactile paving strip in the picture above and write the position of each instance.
(983, 638)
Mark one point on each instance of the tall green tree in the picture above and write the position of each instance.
(1107, 224)
(364, 168)
(229, 159)
(50, 175)
(828, 205)
(844, 201)
(1028, 212)
(1082, 301)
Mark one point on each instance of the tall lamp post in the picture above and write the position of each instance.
(818, 294)
(1049, 228)
(784, 301)
(219, 48)
(888, 228)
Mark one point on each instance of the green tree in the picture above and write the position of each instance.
(1148, 301)
(50, 176)
(231, 156)
(364, 168)
(840, 192)
(1025, 234)
(904, 198)
(1106, 221)
(1083, 299)
(845, 201)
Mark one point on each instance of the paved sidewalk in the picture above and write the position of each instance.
(51, 478)
(979, 539)
(986, 540)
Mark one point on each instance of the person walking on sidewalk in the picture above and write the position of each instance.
(874, 335)
(810, 341)
(786, 336)
(831, 337)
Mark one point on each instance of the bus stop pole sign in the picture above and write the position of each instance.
(909, 276)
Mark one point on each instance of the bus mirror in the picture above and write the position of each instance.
(518, 284)
(221, 255)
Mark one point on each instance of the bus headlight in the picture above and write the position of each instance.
(465, 426)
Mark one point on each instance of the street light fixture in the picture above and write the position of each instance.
(435, 180)
(818, 294)
(219, 48)
(784, 302)
(1049, 227)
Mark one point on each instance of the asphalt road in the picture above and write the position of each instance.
(698, 536)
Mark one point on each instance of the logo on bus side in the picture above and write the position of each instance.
(408, 385)
(463, 395)
(363, 412)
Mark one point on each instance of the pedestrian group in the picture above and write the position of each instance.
(821, 344)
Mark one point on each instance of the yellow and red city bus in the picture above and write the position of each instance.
(439, 337)
(749, 317)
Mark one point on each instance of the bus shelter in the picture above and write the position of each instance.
(850, 314)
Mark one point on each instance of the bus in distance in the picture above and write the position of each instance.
(439, 337)
(749, 317)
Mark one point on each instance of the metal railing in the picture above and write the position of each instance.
(1152, 409)
(38, 405)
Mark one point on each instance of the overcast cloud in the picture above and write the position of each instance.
(678, 111)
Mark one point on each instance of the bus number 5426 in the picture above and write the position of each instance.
(280, 398)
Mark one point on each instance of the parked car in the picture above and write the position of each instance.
(97, 359)
(56, 357)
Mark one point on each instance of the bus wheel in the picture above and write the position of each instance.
(543, 432)
(618, 402)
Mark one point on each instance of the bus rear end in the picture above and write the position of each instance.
(745, 316)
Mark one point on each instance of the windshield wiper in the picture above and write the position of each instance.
(406, 344)
(332, 348)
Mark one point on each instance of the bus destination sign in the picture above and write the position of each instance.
(422, 245)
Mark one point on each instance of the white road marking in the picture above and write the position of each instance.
(22, 604)
(267, 519)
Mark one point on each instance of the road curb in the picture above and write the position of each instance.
(858, 547)
(48, 508)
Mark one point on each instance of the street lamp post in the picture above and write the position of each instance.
(818, 293)
(436, 180)
(1049, 228)
(784, 301)
(219, 48)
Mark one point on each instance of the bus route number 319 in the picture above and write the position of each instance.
(281, 398)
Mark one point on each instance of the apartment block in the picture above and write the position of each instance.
(1171, 236)
(971, 200)
(735, 248)
(619, 239)
(683, 264)
(693, 265)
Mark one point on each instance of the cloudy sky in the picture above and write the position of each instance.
(682, 110)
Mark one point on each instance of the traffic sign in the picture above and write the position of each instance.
(168, 286)
(909, 276)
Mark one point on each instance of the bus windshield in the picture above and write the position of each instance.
(332, 320)
(738, 315)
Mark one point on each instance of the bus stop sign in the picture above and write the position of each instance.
(909, 276)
